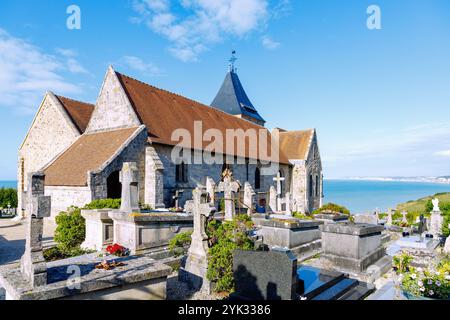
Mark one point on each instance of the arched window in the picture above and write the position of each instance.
(181, 172)
(317, 186)
(257, 178)
(311, 184)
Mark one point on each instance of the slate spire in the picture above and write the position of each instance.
(232, 98)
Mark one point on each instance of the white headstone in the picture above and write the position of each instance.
(436, 220)
(404, 219)
(273, 199)
(249, 193)
(129, 178)
(229, 188)
(211, 190)
(389, 217)
(436, 205)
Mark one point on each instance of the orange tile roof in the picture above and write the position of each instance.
(164, 112)
(295, 144)
(88, 153)
(79, 112)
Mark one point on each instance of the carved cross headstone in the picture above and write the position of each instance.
(197, 258)
(273, 199)
(177, 197)
(249, 193)
(279, 179)
(389, 217)
(288, 202)
(211, 190)
(404, 219)
(33, 266)
(422, 224)
(129, 177)
(229, 188)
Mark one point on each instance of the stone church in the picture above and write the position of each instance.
(81, 147)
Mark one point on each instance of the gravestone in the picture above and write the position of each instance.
(176, 197)
(249, 193)
(33, 266)
(436, 219)
(422, 224)
(211, 190)
(279, 179)
(273, 199)
(404, 219)
(195, 269)
(366, 218)
(229, 187)
(265, 275)
(129, 177)
(389, 217)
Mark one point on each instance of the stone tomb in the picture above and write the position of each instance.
(331, 217)
(99, 229)
(142, 232)
(352, 247)
(302, 237)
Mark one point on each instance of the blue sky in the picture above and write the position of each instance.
(380, 99)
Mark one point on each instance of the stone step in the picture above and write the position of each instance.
(337, 290)
(360, 292)
(315, 281)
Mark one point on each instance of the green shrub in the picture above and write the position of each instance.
(179, 242)
(301, 216)
(402, 262)
(225, 238)
(332, 207)
(103, 204)
(70, 231)
(8, 196)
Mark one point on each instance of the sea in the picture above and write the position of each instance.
(362, 196)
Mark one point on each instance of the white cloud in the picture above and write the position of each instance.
(193, 25)
(27, 73)
(269, 43)
(445, 153)
(138, 64)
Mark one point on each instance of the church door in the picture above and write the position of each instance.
(114, 186)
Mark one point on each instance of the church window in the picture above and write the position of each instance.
(257, 178)
(114, 187)
(317, 186)
(181, 172)
(311, 185)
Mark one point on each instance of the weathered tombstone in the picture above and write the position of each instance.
(249, 193)
(194, 272)
(436, 220)
(422, 224)
(265, 275)
(288, 202)
(279, 179)
(229, 188)
(404, 219)
(177, 197)
(211, 190)
(273, 199)
(33, 266)
(129, 177)
(389, 217)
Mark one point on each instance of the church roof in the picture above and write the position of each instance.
(88, 153)
(79, 112)
(296, 144)
(163, 112)
(232, 98)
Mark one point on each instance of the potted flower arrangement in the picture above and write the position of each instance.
(118, 250)
(427, 284)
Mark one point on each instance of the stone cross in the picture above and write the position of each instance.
(129, 177)
(404, 219)
(279, 179)
(273, 199)
(177, 197)
(436, 205)
(389, 217)
(229, 188)
(197, 258)
(33, 266)
(436, 219)
(211, 190)
(249, 193)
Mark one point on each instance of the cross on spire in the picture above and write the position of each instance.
(232, 61)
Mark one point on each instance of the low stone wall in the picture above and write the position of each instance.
(64, 197)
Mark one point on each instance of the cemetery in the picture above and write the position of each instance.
(271, 256)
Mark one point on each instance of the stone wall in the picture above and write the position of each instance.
(64, 197)
(131, 153)
(51, 133)
(113, 108)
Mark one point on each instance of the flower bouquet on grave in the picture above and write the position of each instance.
(118, 250)
(105, 265)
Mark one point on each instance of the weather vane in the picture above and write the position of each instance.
(232, 60)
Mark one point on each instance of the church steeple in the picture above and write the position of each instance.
(232, 98)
